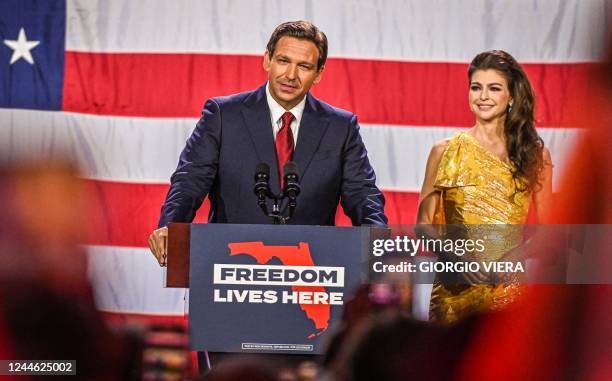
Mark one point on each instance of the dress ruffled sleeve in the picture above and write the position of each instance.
(458, 166)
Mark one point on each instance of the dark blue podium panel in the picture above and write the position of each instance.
(270, 288)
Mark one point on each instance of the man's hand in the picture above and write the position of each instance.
(158, 243)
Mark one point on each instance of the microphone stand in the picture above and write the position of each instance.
(276, 215)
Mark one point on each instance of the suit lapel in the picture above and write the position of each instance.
(256, 116)
(313, 125)
(312, 128)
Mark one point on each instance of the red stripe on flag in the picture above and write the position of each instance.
(118, 319)
(156, 85)
(124, 214)
(384, 92)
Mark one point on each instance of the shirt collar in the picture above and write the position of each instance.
(277, 110)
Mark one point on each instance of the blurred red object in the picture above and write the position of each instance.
(561, 332)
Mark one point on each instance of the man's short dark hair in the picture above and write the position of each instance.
(303, 30)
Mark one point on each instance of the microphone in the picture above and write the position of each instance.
(292, 185)
(262, 185)
(291, 180)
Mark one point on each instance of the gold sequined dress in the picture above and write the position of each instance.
(477, 192)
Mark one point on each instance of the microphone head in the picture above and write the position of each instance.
(262, 169)
(291, 187)
(262, 179)
(290, 169)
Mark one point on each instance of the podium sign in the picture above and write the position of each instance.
(270, 288)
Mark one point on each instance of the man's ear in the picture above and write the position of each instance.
(319, 75)
(266, 61)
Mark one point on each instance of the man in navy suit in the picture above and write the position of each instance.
(276, 123)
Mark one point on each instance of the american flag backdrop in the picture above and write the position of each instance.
(119, 85)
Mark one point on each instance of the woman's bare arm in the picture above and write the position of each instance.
(430, 197)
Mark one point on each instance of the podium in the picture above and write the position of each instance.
(266, 288)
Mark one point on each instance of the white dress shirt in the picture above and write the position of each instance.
(277, 111)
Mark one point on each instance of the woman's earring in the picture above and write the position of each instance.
(509, 107)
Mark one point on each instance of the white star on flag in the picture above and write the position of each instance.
(21, 47)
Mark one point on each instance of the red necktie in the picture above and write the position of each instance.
(284, 144)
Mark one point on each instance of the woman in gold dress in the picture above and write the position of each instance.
(488, 174)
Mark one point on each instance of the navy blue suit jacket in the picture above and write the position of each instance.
(234, 134)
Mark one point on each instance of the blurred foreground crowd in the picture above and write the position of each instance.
(559, 332)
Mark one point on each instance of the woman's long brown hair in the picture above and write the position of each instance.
(523, 143)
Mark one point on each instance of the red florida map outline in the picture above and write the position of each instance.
(298, 255)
